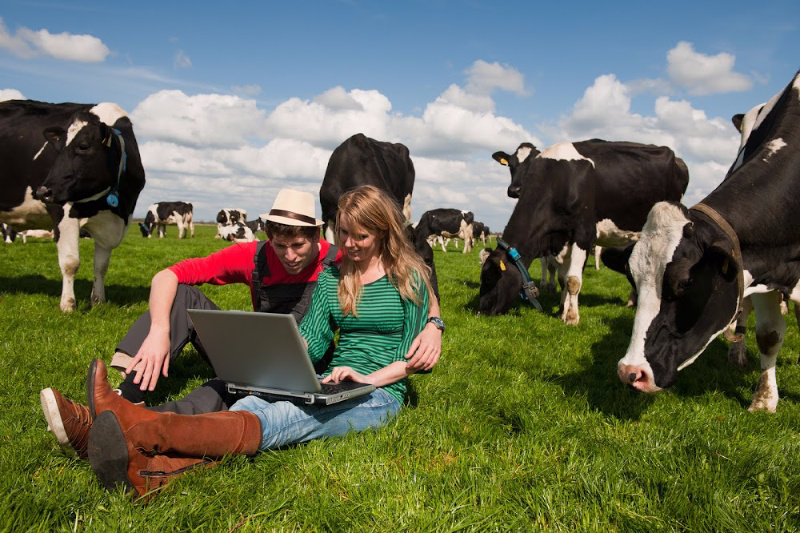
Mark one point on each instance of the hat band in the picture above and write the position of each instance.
(295, 216)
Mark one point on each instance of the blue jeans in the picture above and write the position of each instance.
(288, 423)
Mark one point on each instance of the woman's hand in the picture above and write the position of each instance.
(344, 373)
(424, 352)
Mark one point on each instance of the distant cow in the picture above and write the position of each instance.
(9, 233)
(447, 222)
(162, 213)
(238, 232)
(228, 217)
(564, 192)
(62, 163)
(257, 225)
(480, 231)
(363, 161)
(694, 267)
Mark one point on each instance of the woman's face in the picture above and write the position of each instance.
(358, 243)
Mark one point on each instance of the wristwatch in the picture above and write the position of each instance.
(438, 322)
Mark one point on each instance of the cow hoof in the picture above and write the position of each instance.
(68, 306)
(737, 354)
(759, 406)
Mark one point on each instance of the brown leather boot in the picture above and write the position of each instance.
(99, 394)
(69, 421)
(125, 438)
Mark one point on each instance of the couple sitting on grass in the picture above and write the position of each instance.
(377, 296)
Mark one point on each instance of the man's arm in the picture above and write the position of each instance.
(427, 346)
(152, 358)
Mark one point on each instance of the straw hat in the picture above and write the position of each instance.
(293, 208)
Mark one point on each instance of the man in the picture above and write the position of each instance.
(285, 271)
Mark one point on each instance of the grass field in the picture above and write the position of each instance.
(522, 426)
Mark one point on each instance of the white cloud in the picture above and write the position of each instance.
(198, 121)
(182, 60)
(10, 94)
(27, 43)
(485, 77)
(703, 74)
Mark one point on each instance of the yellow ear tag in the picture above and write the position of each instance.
(503, 162)
(502, 266)
(725, 266)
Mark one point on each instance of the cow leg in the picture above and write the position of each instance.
(181, 229)
(191, 227)
(770, 331)
(107, 230)
(569, 295)
(69, 259)
(466, 230)
(330, 236)
(441, 241)
(737, 353)
(162, 231)
(597, 250)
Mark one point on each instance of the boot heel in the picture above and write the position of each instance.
(108, 452)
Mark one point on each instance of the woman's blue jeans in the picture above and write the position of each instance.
(285, 423)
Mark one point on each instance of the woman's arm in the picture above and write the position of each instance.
(315, 328)
(385, 376)
(427, 346)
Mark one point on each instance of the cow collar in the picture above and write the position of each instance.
(113, 196)
(737, 256)
(529, 291)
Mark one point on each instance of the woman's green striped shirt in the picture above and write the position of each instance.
(381, 334)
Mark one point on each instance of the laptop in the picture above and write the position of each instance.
(263, 354)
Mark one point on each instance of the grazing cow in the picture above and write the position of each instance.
(238, 232)
(567, 190)
(64, 164)
(448, 222)
(480, 231)
(162, 213)
(693, 267)
(257, 225)
(361, 160)
(228, 217)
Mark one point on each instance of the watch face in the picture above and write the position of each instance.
(438, 322)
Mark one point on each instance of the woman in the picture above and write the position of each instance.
(377, 299)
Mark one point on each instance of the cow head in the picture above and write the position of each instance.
(149, 223)
(500, 284)
(87, 164)
(524, 151)
(688, 290)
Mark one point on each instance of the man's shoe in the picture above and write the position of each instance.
(69, 421)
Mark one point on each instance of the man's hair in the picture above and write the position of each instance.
(285, 231)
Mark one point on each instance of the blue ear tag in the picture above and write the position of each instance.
(112, 200)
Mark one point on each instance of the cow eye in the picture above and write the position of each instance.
(83, 147)
(686, 283)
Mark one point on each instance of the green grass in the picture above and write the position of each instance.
(523, 425)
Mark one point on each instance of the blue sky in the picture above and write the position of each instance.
(232, 101)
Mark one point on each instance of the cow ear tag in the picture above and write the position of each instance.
(725, 267)
(503, 162)
(112, 200)
(502, 266)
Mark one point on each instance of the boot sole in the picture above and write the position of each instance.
(108, 453)
(90, 388)
(54, 422)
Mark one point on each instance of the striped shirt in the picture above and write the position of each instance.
(380, 335)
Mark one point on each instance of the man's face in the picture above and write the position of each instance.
(294, 253)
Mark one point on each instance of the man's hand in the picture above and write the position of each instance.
(424, 352)
(151, 359)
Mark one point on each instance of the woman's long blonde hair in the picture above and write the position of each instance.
(372, 209)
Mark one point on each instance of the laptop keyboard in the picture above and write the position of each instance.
(334, 388)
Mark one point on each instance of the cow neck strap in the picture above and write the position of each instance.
(737, 256)
(113, 196)
(529, 291)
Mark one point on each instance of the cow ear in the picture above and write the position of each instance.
(616, 258)
(501, 157)
(721, 257)
(737, 121)
(55, 135)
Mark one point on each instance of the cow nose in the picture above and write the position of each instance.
(513, 191)
(44, 194)
(632, 377)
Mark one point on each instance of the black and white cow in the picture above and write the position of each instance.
(162, 213)
(61, 164)
(448, 223)
(256, 225)
(361, 160)
(9, 233)
(480, 231)
(229, 217)
(693, 267)
(566, 191)
(239, 232)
